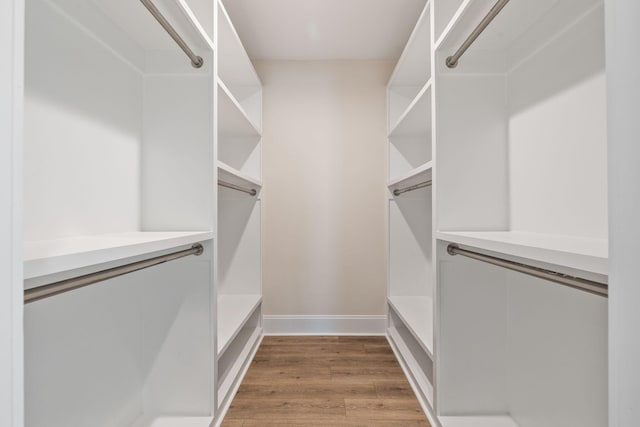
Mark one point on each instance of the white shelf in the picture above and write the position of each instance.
(584, 254)
(416, 119)
(233, 119)
(411, 366)
(479, 421)
(416, 176)
(233, 176)
(233, 312)
(240, 366)
(417, 314)
(414, 66)
(235, 67)
(165, 421)
(54, 256)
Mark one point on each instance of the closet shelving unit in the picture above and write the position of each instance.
(239, 286)
(520, 143)
(118, 149)
(410, 170)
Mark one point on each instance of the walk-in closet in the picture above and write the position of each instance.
(222, 213)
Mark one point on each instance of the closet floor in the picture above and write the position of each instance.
(325, 381)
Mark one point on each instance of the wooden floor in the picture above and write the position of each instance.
(325, 381)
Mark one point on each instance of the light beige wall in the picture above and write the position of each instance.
(324, 187)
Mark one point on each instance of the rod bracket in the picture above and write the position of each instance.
(451, 249)
(199, 247)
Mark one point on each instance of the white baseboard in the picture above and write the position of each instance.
(324, 325)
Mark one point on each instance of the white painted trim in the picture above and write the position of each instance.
(325, 324)
(11, 108)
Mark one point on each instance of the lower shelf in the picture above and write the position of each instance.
(236, 372)
(164, 421)
(417, 314)
(414, 368)
(480, 421)
(233, 312)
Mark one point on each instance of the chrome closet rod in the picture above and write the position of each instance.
(399, 191)
(46, 291)
(196, 61)
(237, 188)
(590, 286)
(452, 61)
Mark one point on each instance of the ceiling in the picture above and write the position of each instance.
(324, 29)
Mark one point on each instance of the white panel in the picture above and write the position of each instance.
(472, 358)
(83, 355)
(557, 136)
(623, 62)
(82, 131)
(11, 103)
(176, 337)
(177, 153)
(410, 258)
(557, 354)
(239, 244)
(472, 153)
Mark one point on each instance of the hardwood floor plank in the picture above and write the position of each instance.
(387, 409)
(310, 390)
(286, 375)
(393, 389)
(265, 409)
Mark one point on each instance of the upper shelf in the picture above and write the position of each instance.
(585, 254)
(416, 119)
(416, 176)
(414, 66)
(129, 30)
(235, 68)
(233, 176)
(519, 30)
(233, 119)
(47, 257)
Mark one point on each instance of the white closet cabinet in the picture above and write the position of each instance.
(118, 165)
(239, 174)
(411, 273)
(520, 173)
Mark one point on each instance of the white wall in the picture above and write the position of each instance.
(623, 65)
(11, 38)
(324, 187)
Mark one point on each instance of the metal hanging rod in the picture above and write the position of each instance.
(452, 61)
(196, 61)
(251, 191)
(399, 191)
(41, 292)
(590, 286)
